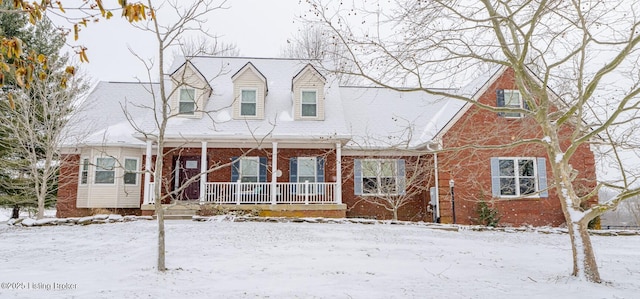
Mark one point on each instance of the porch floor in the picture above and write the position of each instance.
(186, 210)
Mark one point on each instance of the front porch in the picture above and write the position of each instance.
(267, 199)
(223, 193)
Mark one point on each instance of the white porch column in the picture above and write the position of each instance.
(274, 170)
(437, 193)
(203, 171)
(147, 173)
(338, 173)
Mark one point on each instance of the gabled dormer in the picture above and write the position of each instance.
(249, 92)
(190, 91)
(308, 94)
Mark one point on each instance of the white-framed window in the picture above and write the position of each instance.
(309, 103)
(187, 101)
(519, 177)
(512, 99)
(249, 169)
(84, 171)
(130, 171)
(248, 102)
(105, 170)
(307, 169)
(307, 174)
(379, 176)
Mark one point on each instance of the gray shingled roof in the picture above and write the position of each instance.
(367, 117)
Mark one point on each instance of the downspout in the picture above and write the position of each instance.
(437, 199)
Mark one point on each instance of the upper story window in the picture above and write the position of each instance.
(379, 177)
(130, 171)
(518, 177)
(510, 98)
(309, 103)
(248, 102)
(105, 170)
(187, 102)
(308, 87)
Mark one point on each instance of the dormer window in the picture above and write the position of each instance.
(308, 88)
(248, 102)
(309, 103)
(191, 91)
(187, 104)
(249, 93)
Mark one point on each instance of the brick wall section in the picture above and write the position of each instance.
(219, 159)
(68, 187)
(357, 206)
(471, 169)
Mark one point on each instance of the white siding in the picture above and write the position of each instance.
(189, 78)
(249, 80)
(308, 80)
(117, 195)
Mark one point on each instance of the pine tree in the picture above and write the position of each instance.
(33, 119)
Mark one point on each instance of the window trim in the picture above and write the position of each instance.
(180, 101)
(85, 163)
(536, 178)
(316, 104)
(98, 167)
(252, 158)
(313, 185)
(513, 115)
(315, 169)
(254, 103)
(135, 172)
(396, 176)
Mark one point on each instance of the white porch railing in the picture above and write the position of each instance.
(260, 193)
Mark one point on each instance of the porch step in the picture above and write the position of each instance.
(175, 217)
(180, 212)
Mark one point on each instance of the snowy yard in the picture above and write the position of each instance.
(303, 260)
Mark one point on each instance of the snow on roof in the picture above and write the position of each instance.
(278, 118)
(366, 117)
(101, 118)
(383, 118)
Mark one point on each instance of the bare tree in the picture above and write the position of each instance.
(393, 182)
(310, 42)
(206, 45)
(187, 18)
(587, 52)
(315, 42)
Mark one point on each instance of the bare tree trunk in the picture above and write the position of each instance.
(159, 211)
(42, 192)
(395, 214)
(588, 257)
(161, 242)
(15, 213)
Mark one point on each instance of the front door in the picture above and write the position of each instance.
(187, 170)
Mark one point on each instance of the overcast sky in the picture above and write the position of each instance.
(259, 28)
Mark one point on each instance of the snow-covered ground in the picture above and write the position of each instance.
(5, 213)
(304, 260)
